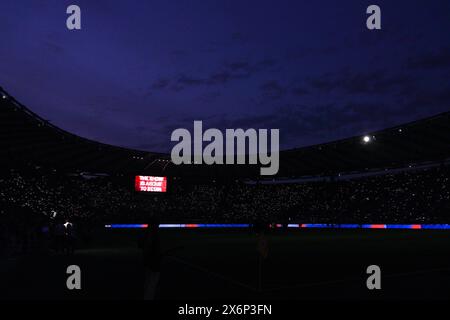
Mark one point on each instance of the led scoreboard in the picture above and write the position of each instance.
(150, 184)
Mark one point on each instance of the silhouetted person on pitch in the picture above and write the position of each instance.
(59, 234)
(152, 259)
(69, 238)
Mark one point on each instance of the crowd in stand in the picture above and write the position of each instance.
(35, 204)
(405, 197)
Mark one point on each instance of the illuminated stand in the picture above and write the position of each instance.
(152, 184)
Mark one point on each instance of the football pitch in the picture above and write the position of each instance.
(224, 264)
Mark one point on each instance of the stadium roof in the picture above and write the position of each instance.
(27, 139)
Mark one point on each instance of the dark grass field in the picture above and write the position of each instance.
(223, 264)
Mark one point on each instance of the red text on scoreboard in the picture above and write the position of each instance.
(150, 184)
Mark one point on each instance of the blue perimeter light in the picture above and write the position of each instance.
(297, 226)
(126, 226)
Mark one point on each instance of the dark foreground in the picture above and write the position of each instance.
(215, 264)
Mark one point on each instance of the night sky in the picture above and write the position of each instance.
(139, 69)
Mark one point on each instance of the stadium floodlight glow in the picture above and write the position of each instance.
(366, 139)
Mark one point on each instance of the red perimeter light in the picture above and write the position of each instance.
(150, 184)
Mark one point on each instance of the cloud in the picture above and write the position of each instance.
(226, 73)
(439, 59)
(299, 91)
(300, 53)
(239, 38)
(209, 97)
(185, 80)
(53, 47)
(179, 53)
(307, 124)
(160, 84)
(350, 82)
(272, 90)
(429, 101)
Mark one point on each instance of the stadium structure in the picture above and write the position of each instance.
(26, 138)
(52, 217)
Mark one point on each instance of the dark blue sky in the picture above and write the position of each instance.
(139, 69)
